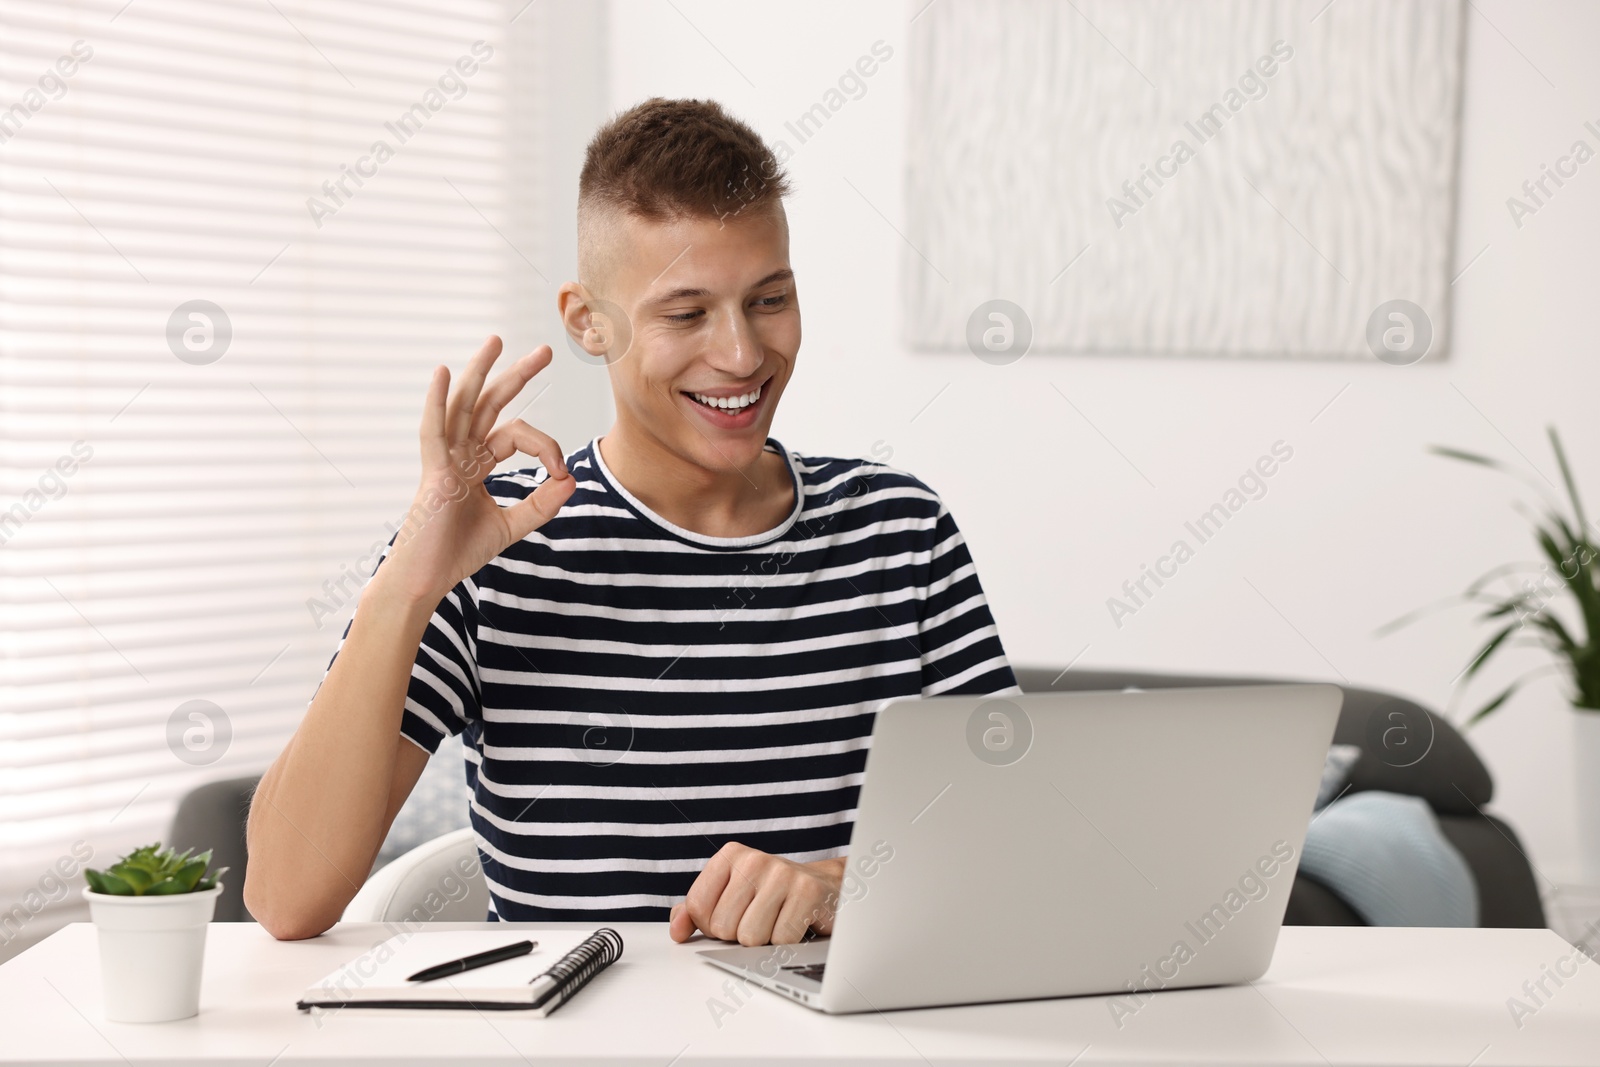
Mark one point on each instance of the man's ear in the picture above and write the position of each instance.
(574, 304)
(598, 331)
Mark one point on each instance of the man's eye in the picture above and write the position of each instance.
(687, 316)
(774, 301)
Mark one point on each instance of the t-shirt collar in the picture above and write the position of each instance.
(706, 540)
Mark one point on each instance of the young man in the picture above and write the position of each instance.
(664, 650)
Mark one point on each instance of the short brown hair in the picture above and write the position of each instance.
(667, 159)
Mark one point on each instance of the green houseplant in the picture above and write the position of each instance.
(1566, 574)
(1568, 550)
(155, 871)
(150, 911)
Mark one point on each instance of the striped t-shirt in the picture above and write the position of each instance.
(633, 695)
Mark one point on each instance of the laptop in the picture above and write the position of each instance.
(1057, 844)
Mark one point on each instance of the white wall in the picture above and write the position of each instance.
(562, 53)
(1358, 527)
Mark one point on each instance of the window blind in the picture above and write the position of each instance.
(234, 239)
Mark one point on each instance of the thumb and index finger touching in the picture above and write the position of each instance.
(468, 417)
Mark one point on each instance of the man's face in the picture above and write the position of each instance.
(714, 317)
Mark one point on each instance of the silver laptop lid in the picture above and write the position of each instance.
(1052, 844)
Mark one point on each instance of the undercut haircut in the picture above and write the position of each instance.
(663, 160)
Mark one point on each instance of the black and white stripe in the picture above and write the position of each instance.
(635, 695)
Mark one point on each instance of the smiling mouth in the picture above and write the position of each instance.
(732, 405)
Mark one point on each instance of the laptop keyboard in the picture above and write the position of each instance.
(808, 970)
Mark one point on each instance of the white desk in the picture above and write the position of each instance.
(1359, 996)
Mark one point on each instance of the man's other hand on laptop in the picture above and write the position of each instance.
(748, 896)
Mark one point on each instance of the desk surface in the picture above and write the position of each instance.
(1332, 995)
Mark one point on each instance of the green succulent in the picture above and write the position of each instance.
(153, 871)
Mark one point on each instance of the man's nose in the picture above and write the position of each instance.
(735, 347)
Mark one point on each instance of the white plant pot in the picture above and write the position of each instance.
(151, 952)
(1586, 753)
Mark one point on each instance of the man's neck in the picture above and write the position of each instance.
(732, 503)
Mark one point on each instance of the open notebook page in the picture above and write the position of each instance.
(380, 972)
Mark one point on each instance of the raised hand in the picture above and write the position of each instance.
(454, 526)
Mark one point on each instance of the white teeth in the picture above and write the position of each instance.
(729, 403)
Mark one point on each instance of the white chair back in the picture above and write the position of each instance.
(438, 881)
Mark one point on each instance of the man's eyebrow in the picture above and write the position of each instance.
(782, 275)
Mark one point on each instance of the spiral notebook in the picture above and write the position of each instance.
(562, 963)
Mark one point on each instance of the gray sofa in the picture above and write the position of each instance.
(1405, 749)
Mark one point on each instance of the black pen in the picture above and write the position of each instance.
(480, 959)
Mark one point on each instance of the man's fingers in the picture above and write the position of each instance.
(755, 926)
(679, 926)
(820, 917)
(735, 899)
(800, 911)
(707, 890)
(459, 415)
(504, 389)
(518, 436)
(539, 506)
(435, 449)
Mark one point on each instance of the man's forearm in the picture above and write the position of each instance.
(322, 808)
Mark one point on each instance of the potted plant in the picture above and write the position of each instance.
(151, 909)
(1565, 575)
